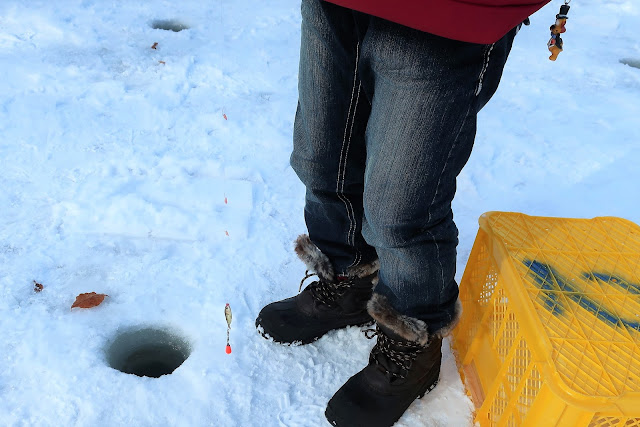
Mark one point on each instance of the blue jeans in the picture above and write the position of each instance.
(386, 120)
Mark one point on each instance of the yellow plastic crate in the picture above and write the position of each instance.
(550, 332)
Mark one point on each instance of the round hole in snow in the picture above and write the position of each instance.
(169, 25)
(147, 352)
(631, 62)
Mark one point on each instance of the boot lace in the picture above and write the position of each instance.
(326, 292)
(387, 347)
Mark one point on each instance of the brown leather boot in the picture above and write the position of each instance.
(404, 365)
(331, 302)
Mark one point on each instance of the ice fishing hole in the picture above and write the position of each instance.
(147, 352)
(631, 62)
(169, 25)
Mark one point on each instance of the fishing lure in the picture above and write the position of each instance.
(228, 316)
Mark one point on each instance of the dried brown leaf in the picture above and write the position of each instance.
(88, 300)
(155, 46)
(37, 287)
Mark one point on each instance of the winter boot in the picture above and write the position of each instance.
(403, 365)
(328, 303)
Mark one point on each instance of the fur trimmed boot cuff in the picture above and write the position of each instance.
(408, 328)
(319, 263)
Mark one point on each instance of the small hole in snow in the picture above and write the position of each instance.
(169, 25)
(631, 62)
(147, 352)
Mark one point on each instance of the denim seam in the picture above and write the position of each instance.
(484, 68)
(342, 165)
(352, 230)
(444, 168)
(358, 257)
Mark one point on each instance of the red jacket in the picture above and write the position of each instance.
(475, 21)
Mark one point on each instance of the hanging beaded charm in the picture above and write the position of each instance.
(555, 42)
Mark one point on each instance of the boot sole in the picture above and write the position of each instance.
(297, 343)
(426, 389)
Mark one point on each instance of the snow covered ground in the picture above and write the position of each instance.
(160, 177)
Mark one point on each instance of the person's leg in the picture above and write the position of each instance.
(329, 149)
(329, 157)
(426, 92)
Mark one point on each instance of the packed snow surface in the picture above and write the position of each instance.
(160, 176)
